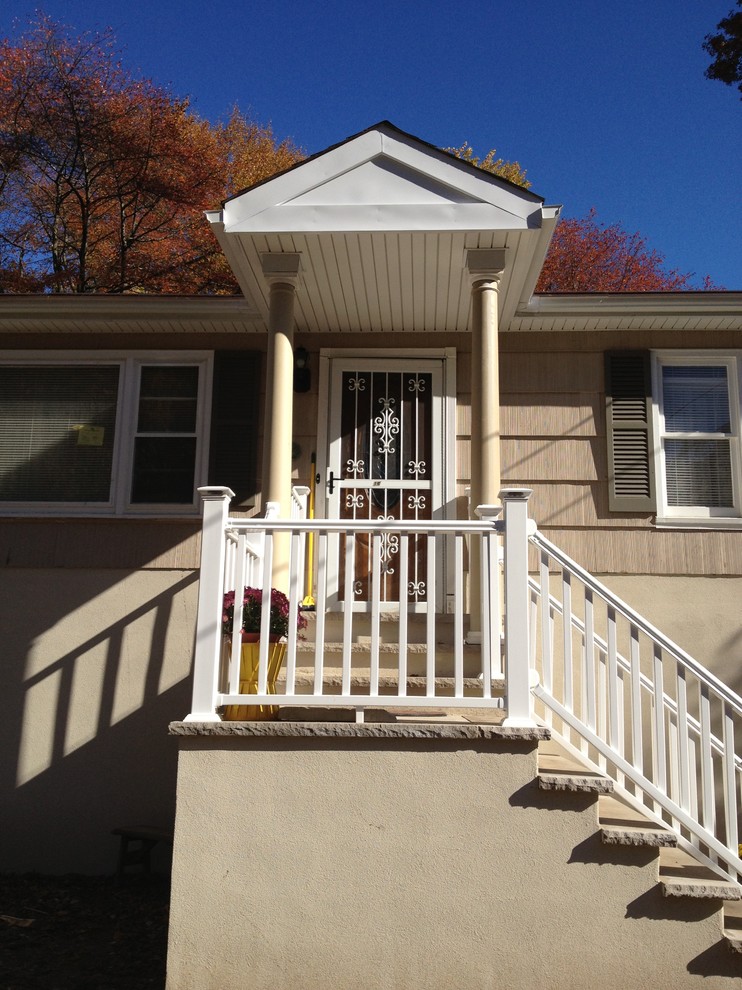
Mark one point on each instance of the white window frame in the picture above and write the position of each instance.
(130, 363)
(705, 517)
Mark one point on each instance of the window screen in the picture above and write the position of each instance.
(57, 427)
(698, 468)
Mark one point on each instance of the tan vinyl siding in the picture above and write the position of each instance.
(650, 551)
(554, 441)
(552, 459)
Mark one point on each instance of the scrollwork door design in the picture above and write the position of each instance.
(387, 461)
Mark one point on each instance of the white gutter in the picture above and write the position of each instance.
(138, 306)
(549, 218)
(635, 304)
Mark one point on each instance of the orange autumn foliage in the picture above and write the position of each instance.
(586, 255)
(104, 177)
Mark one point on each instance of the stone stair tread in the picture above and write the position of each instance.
(361, 677)
(732, 924)
(681, 875)
(561, 770)
(360, 681)
(363, 646)
(622, 824)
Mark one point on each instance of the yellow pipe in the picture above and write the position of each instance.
(309, 598)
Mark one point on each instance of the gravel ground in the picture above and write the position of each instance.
(83, 933)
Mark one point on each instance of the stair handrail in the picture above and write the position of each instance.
(726, 852)
(667, 702)
(538, 540)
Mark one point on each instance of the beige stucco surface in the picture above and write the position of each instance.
(436, 864)
(703, 615)
(95, 663)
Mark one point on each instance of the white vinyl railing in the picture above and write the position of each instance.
(640, 708)
(610, 684)
(244, 551)
(359, 666)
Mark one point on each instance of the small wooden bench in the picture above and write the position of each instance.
(136, 846)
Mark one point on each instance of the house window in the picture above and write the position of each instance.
(697, 418)
(113, 434)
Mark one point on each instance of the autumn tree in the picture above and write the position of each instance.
(725, 49)
(586, 255)
(104, 177)
(491, 163)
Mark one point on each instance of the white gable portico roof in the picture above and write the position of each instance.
(383, 222)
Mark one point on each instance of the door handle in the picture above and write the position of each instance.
(331, 483)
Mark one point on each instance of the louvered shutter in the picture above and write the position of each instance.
(628, 390)
(233, 456)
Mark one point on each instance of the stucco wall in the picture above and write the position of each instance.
(411, 863)
(702, 615)
(95, 663)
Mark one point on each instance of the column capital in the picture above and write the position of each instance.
(281, 267)
(485, 264)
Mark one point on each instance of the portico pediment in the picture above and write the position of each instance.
(375, 214)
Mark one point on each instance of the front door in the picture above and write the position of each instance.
(386, 444)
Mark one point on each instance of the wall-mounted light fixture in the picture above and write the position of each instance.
(302, 375)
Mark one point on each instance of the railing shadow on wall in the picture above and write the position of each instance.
(84, 736)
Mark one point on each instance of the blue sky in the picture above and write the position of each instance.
(604, 104)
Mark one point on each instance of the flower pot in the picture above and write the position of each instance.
(249, 660)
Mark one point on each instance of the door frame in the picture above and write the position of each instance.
(447, 357)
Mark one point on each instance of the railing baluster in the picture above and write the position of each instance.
(708, 797)
(547, 661)
(602, 701)
(375, 609)
(322, 543)
(490, 588)
(730, 783)
(659, 760)
(613, 726)
(683, 754)
(637, 743)
(567, 640)
(296, 559)
(265, 618)
(458, 633)
(430, 619)
(404, 550)
(236, 637)
(589, 672)
(350, 570)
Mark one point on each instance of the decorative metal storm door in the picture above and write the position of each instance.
(385, 463)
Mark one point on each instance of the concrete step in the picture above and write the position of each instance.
(560, 770)
(732, 924)
(388, 627)
(683, 876)
(417, 656)
(360, 681)
(621, 824)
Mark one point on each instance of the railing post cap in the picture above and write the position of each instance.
(488, 511)
(211, 492)
(272, 510)
(513, 494)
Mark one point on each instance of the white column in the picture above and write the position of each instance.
(518, 702)
(485, 268)
(281, 271)
(210, 592)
